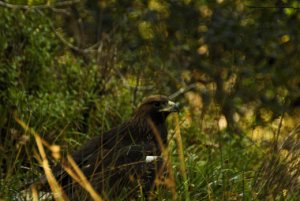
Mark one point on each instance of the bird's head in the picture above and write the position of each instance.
(156, 107)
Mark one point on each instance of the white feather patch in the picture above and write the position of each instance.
(150, 159)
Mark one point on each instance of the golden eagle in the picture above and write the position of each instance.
(121, 159)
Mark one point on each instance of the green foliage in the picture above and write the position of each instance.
(74, 70)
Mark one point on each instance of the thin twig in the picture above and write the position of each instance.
(272, 7)
(126, 84)
(43, 6)
(277, 133)
(92, 49)
(183, 90)
(136, 88)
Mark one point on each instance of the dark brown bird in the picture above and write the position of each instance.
(115, 162)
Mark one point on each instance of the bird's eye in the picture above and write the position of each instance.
(156, 104)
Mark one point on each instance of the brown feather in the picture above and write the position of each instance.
(112, 160)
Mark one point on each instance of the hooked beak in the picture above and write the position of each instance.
(170, 107)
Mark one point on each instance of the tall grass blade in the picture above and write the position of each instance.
(56, 189)
(180, 151)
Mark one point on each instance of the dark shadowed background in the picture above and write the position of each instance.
(73, 69)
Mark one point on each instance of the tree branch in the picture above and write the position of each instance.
(43, 6)
(272, 7)
(183, 90)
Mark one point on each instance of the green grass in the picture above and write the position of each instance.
(215, 168)
(207, 164)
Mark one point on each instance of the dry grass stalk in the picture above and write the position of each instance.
(280, 171)
(34, 193)
(79, 177)
(180, 151)
(170, 181)
(74, 171)
(58, 193)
